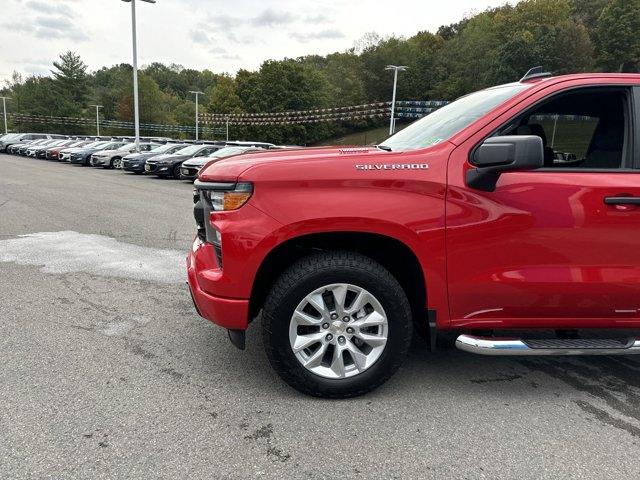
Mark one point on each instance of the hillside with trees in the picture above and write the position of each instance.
(492, 47)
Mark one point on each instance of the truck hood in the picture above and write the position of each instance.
(230, 169)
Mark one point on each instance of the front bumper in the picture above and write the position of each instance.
(133, 166)
(230, 313)
(99, 161)
(159, 169)
(189, 173)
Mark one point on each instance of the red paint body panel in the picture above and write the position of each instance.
(541, 251)
(226, 312)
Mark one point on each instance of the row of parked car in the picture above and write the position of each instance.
(164, 157)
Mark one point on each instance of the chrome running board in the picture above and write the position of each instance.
(555, 346)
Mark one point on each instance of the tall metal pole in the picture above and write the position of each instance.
(98, 107)
(4, 108)
(196, 93)
(392, 123)
(136, 113)
(227, 129)
(393, 101)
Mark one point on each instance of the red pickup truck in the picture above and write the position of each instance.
(510, 217)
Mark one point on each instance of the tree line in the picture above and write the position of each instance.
(495, 46)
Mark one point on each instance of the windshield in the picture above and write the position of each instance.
(227, 151)
(110, 146)
(8, 136)
(94, 144)
(127, 146)
(164, 148)
(450, 119)
(190, 150)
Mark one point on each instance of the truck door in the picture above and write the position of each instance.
(557, 247)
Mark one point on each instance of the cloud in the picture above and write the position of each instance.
(327, 34)
(199, 36)
(38, 69)
(224, 21)
(57, 27)
(272, 18)
(49, 20)
(50, 8)
(218, 50)
(49, 28)
(316, 19)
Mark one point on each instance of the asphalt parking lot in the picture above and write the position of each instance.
(108, 372)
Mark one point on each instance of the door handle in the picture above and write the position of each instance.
(622, 200)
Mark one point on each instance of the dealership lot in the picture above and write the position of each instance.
(109, 373)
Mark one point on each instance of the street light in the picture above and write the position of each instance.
(392, 125)
(98, 107)
(136, 112)
(196, 94)
(4, 107)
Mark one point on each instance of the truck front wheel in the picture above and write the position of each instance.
(336, 324)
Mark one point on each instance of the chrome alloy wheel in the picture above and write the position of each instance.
(117, 163)
(338, 331)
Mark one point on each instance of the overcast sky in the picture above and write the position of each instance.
(221, 35)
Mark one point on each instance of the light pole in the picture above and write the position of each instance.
(196, 93)
(4, 108)
(98, 107)
(136, 112)
(395, 68)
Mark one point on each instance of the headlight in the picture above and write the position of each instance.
(228, 199)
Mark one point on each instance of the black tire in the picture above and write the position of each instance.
(175, 173)
(313, 272)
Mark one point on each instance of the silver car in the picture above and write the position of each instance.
(113, 158)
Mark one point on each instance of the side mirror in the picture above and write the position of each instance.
(497, 155)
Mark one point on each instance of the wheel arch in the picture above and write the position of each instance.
(393, 254)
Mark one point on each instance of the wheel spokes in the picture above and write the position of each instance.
(339, 295)
(316, 358)
(317, 302)
(374, 319)
(371, 340)
(359, 302)
(359, 358)
(305, 341)
(337, 362)
(338, 331)
(302, 318)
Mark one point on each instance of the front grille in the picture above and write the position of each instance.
(189, 172)
(201, 211)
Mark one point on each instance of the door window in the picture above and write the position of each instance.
(583, 130)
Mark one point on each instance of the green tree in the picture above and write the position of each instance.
(619, 36)
(154, 104)
(222, 98)
(70, 84)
